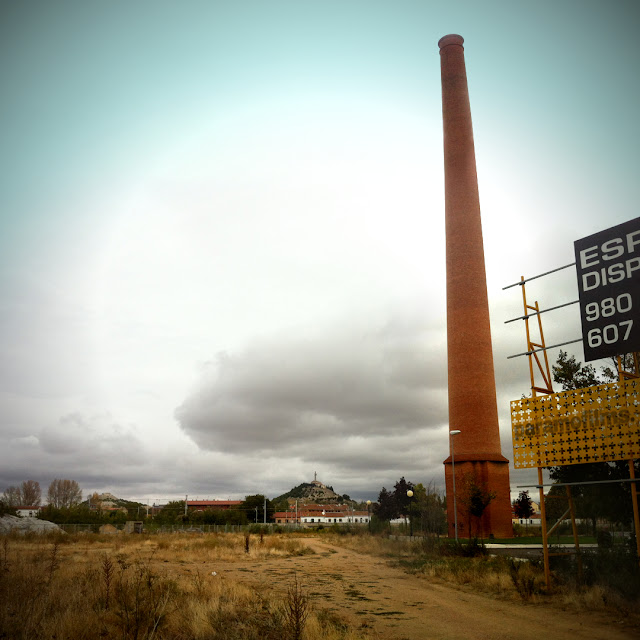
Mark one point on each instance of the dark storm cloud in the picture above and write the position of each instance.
(301, 393)
(96, 438)
(79, 445)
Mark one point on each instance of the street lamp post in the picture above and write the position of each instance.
(410, 495)
(369, 514)
(454, 432)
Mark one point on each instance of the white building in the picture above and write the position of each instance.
(28, 512)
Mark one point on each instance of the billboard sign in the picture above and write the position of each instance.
(594, 424)
(608, 269)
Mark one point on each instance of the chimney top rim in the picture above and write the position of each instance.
(452, 38)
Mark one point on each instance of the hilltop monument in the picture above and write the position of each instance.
(473, 409)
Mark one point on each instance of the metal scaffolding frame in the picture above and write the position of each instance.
(541, 383)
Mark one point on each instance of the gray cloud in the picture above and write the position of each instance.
(362, 403)
(316, 392)
(97, 437)
(77, 444)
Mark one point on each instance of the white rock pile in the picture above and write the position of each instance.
(10, 524)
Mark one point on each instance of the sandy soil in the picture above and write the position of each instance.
(394, 605)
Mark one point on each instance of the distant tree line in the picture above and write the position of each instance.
(426, 507)
(28, 494)
(65, 506)
(61, 494)
(252, 509)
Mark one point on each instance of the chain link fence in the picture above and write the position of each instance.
(180, 528)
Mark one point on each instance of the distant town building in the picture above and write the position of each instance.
(310, 515)
(217, 505)
(28, 512)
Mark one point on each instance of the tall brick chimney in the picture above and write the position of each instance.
(473, 407)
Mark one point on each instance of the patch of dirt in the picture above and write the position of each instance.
(394, 605)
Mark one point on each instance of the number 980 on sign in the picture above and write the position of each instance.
(608, 307)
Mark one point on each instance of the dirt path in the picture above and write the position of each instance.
(394, 605)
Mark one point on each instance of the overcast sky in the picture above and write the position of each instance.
(222, 241)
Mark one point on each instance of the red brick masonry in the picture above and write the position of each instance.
(472, 393)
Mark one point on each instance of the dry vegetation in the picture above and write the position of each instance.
(90, 586)
(166, 586)
(509, 578)
(434, 561)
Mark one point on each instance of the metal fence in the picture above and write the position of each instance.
(184, 528)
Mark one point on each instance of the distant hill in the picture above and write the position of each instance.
(313, 492)
(109, 501)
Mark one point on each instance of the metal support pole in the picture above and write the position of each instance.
(410, 496)
(634, 499)
(453, 472)
(622, 376)
(560, 520)
(410, 518)
(574, 528)
(545, 541)
(546, 273)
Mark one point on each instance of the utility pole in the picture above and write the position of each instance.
(186, 498)
(265, 510)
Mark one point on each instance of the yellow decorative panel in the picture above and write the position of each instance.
(594, 424)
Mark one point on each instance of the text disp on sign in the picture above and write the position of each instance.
(608, 269)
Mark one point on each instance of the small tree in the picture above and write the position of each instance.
(171, 513)
(386, 507)
(523, 507)
(30, 493)
(296, 610)
(393, 505)
(431, 506)
(253, 506)
(12, 497)
(63, 494)
(475, 498)
(400, 496)
(571, 374)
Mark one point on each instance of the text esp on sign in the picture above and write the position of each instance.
(608, 270)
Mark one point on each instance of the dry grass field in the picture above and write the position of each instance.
(212, 586)
(131, 586)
